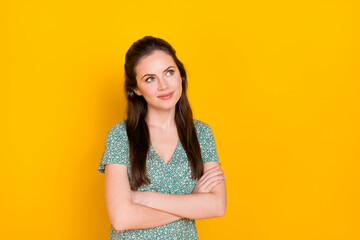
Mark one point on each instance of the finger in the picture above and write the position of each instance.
(212, 179)
(211, 172)
(213, 184)
(212, 169)
(204, 187)
(209, 179)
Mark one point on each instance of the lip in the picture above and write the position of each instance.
(166, 96)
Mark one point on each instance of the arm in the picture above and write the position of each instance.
(122, 212)
(194, 206)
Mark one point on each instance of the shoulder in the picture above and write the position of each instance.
(116, 147)
(118, 131)
(201, 127)
(206, 141)
(199, 124)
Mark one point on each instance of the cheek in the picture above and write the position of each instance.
(178, 88)
(148, 90)
(178, 82)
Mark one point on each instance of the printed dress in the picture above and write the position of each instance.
(173, 178)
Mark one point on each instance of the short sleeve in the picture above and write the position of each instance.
(207, 143)
(116, 147)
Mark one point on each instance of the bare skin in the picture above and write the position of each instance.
(157, 75)
(164, 141)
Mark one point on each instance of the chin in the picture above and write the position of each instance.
(167, 106)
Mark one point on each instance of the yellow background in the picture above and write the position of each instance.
(277, 81)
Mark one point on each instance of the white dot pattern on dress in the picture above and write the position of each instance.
(172, 178)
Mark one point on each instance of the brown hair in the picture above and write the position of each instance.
(136, 126)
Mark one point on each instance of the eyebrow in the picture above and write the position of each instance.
(154, 74)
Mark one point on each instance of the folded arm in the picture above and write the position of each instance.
(123, 213)
(198, 205)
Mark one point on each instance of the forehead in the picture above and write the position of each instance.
(157, 61)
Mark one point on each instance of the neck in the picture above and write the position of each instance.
(163, 119)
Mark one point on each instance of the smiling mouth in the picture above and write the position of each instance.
(166, 96)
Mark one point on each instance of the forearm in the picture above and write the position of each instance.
(193, 206)
(135, 216)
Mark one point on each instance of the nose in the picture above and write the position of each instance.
(162, 84)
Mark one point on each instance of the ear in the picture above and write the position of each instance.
(137, 91)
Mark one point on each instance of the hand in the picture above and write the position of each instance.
(208, 180)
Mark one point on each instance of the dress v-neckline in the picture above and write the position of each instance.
(153, 149)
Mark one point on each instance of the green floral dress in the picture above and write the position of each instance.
(172, 178)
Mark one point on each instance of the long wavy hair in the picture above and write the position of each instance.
(136, 126)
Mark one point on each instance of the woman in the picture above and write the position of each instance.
(161, 166)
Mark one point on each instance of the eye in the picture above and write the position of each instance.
(170, 71)
(147, 80)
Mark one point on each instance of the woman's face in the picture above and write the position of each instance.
(158, 80)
